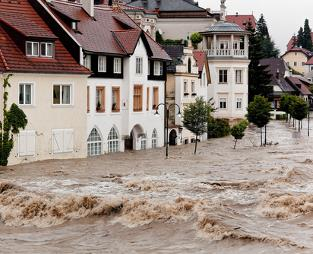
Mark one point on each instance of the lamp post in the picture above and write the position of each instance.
(167, 115)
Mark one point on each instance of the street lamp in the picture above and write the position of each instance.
(167, 115)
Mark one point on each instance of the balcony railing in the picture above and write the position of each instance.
(227, 52)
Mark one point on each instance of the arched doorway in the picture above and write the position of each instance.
(172, 138)
(135, 134)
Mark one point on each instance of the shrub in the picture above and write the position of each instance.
(196, 38)
(218, 128)
(238, 131)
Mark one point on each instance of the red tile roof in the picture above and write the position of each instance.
(200, 57)
(242, 20)
(299, 84)
(12, 57)
(308, 53)
(109, 32)
(293, 41)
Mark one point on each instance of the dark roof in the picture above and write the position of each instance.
(109, 32)
(19, 20)
(166, 5)
(300, 85)
(175, 52)
(242, 20)
(277, 68)
(224, 27)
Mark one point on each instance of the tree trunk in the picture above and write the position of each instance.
(235, 144)
(196, 145)
(261, 137)
(299, 126)
(265, 141)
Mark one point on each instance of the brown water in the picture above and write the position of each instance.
(249, 200)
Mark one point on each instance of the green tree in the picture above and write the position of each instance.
(238, 131)
(300, 38)
(196, 38)
(299, 109)
(307, 39)
(195, 118)
(159, 38)
(13, 120)
(259, 113)
(267, 44)
(285, 103)
(259, 78)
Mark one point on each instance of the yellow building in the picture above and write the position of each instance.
(296, 59)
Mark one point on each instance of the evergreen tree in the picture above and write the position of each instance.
(307, 39)
(300, 37)
(259, 78)
(268, 46)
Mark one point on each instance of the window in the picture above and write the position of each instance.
(155, 97)
(148, 98)
(223, 44)
(102, 64)
(94, 143)
(137, 105)
(100, 99)
(88, 99)
(113, 142)
(25, 94)
(117, 68)
(154, 139)
(46, 49)
(139, 65)
(222, 76)
(62, 94)
(238, 76)
(236, 45)
(115, 99)
(186, 92)
(144, 142)
(193, 88)
(158, 68)
(239, 103)
(295, 64)
(62, 140)
(27, 143)
(223, 103)
(87, 61)
(74, 25)
(32, 48)
(189, 65)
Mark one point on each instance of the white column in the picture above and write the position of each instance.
(246, 43)
(214, 44)
(232, 45)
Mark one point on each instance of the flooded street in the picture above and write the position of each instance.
(248, 200)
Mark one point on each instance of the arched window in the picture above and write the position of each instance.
(144, 142)
(189, 65)
(94, 143)
(154, 138)
(113, 141)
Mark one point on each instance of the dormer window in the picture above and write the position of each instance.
(32, 48)
(39, 49)
(87, 61)
(74, 25)
(102, 64)
(158, 68)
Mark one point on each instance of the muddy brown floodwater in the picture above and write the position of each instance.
(248, 200)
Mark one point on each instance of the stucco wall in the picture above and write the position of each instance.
(296, 57)
(43, 116)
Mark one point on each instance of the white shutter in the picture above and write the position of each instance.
(68, 140)
(27, 143)
(57, 141)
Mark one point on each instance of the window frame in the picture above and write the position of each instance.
(140, 98)
(240, 81)
(220, 101)
(139, 65)
(61, 98)
(223, 75)
(87, 61)
(156, 97)
(103, 107)
(32, 93)
(103, 60)
(32, 48)
(117, 65)
(97, 143)
(46, 49)
(113, 143)
(118, 103)
(239, 100)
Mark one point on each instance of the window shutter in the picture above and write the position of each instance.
(68, 140)
(57, 141)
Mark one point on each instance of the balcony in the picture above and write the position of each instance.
(236, 53)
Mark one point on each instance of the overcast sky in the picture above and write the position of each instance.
(284, 17)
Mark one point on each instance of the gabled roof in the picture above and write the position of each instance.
(277, 67)
(109, 32)
(299, 85)
(293, 41)
(12, 56)
(242, 20)
(306, 52)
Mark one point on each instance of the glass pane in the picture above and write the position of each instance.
(56, 95)
(21, 94)
(35, 48)
(29, 48)
(66, 94)
(43, 49)
(49, 49)
(28, 94)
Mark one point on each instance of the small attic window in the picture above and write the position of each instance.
(74, 25)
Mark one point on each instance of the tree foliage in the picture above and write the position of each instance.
(196, 38)
(259, 78)
(218, 128)
(304, 38)
(195, 118)
(299, 108)
(238, 131)
(13, 120)
(259, 111)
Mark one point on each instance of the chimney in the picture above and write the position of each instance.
(88, 6)
(223, 10)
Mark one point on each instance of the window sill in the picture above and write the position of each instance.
(26, 105)
(222, 83)
(62, 106)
